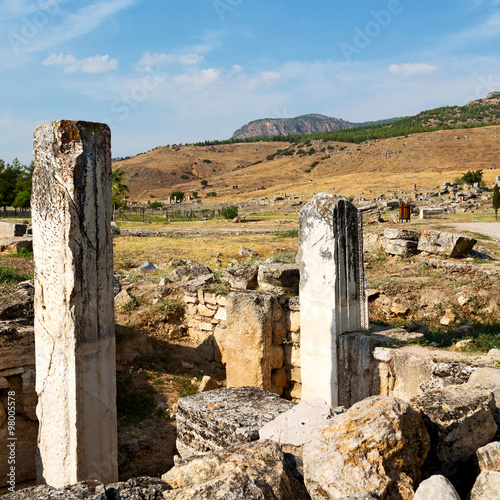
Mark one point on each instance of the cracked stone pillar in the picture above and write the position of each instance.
(74, 319)
(332, 290)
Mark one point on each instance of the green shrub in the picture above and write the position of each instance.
(229, 212)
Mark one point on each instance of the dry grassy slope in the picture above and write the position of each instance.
(426, 160)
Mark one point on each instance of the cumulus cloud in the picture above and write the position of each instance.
(412, 69)
(95, 64)
(149, 61)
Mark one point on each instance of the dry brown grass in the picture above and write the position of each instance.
(426, 160)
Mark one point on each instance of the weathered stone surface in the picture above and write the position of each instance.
(85, 490)
(74, 322)
(279, 277)
(25, 450)
(124, 299)
(488, 457)
(447, 244)
(22, 303)
(254, 471)
(436, 488)
(487, 378)
(459, 419)
(137, 488)
(377, 446)
(370, 214)
(208, 384)
(149, 266)
(243, 277)
(194, 285)
(487, 486)
(248, 343)
(214, 420)
(291, 429)
(247, 252)
(401, 234)
(432, 213)
(372, 242)
(402, 248)
(332, 290)
(17, 346)
(10, 229)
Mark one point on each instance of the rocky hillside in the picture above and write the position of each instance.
(491, 98)
(305, 124)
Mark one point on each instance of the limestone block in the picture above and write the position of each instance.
(84, 490)
(432, 213)
(447, 244)
(15, 245)
(249, 339)
(292, 355)
(332, 289)
(372, 242)
(402, 248)
(436, 487)
(279, 277)
(487, 486)
(205, 311)
(17, 347)
(190, 299)
(488, 378)
(242, 277)
(296, 392)
(11, 229)
(488, 457)
(401, 234)
(220, 343)
(221, 314)
(294, 321)
(291, 429)
(214, 420)
(201, 296)
(124, 299)
(370, 214)
(74, 321)
(248, 471)
(295, 375)
(221, 300)
(194, 285)
(206, 327)
(294, 303)
(466, 425)
(208, 384)
(378, 445)
(26, 434)
(210, 298)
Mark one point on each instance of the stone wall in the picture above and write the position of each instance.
(17, 396)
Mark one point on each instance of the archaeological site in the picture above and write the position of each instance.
(306, 346)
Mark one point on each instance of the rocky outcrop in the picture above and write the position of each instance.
(214, 420)
(246, 471)
(305, 124)
(377, 446)
(446, 244)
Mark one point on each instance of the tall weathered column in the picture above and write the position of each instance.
(332, 290)
(74, 319)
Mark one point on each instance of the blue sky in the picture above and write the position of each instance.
(165, 72)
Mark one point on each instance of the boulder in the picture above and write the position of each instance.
(194, 285)
(489, 379)
(124, 299)
(279, 277)
(291, 429)
(372, 242)
(401, 234)
(370, 214)
(214, 420)
(446, 244)
(247, 252)
(487, 486)
(436, 488)
(459, 419)
(251, 471)
(403, 248)
(149, 266)
(243, 277)
(488, 457)
(378, 446)
(21, 304)
(208, 384)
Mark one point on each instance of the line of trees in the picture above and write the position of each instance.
(15, 184)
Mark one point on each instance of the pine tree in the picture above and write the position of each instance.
(496, 200)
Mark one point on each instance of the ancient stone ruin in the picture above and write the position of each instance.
(74, 315)
(332, 290)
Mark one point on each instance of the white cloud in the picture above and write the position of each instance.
(149, 62)
(198, 80)
(412, 69)
(95, 64)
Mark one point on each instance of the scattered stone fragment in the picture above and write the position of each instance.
(488, 457)
(279, 277)
(403, 248)
(436, 488)
(489, 379)
(208, 384)
(401, 234)
(247, 252)
(149, 266)
(124, 299)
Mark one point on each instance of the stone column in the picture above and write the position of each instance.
(74, 319)
(332, 290)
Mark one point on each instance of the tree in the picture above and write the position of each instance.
(178, 195)
(22, 200)
(229, 212)
(471, 177)
(119, 188)
(204, 182)
(496, 200)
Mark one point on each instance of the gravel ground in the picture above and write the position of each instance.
(489, 228)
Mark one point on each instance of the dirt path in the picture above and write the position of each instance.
(489, 228)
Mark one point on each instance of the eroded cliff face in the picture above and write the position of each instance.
(306, 124)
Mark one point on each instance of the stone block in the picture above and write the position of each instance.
(489, 379)
(215, 420)
(221, 314)
(194, 285)
(17, 347)
(401, 234)
(488, 457)
(446, 244)
(205, 311)
(487, 486)
(12, 229)
(432, 213)
(15, 245)
(241, 277)
(436, 487)
(402, 248)
(279, 277)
